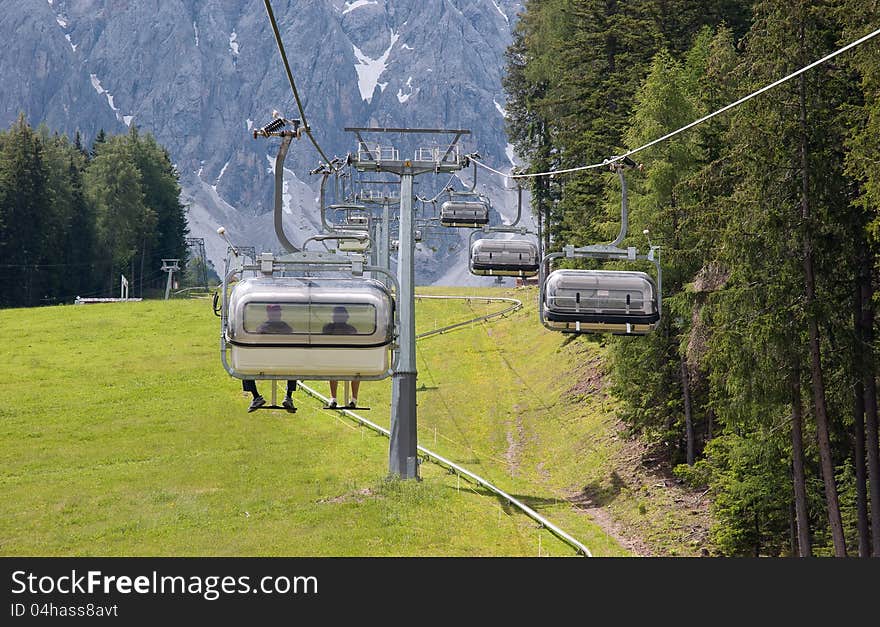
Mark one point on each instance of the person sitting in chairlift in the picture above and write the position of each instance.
(273, 324)
(340, 326)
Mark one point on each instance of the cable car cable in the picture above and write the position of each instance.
(705, 118)
(299, 105)
(440, 193)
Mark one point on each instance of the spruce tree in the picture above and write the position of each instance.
(123, 220)
(159, 182)
(782, 249)
(99, 141)
(863, 121)
(651, 371)
(23, 211)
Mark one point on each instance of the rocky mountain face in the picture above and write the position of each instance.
(200, 75)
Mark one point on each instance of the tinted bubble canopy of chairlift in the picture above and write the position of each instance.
(600, 301)
(504, 257)
(464, 213)
(283, 326)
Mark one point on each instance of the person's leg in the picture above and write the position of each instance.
(250, 385)
(355, 386)
(334, 386)
(287, 403)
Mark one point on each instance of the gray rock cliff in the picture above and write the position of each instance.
(201, 74)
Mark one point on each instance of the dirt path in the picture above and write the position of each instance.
(645, 508)
(640, 503)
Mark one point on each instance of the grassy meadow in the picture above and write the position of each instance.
(122, 435)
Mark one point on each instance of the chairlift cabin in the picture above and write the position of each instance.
(310, 328)
(465, 209)
(353, 216)
(504, 257)
(623, 302)
(288, 323)
(356, 222)
(600, 301)
(464, 213)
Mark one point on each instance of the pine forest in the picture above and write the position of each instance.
(72, 219)
(760, 385)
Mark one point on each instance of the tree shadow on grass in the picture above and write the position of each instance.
(598, 494)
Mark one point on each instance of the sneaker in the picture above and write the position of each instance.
(332, 403)
(352, 403)
(258, 402)
(287, 403)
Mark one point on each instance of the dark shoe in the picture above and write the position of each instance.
(287, 403)
(258, 402)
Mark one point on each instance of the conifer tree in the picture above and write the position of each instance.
(779, 250)
(72, 247)
(650, 371)
(159, 182)
(123, 220)
(863, 120)
(78, 145)
(100, 138)
(23, 199)
(526, 127)
(57, 212)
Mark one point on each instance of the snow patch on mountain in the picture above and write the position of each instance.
(96, 83)
(351, 6)
(370, 70)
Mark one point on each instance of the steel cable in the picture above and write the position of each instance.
(705, 118)
(299, 105)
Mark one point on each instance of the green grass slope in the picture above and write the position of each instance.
(121, 434)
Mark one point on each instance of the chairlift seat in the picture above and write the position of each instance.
(504, 257)
(357, 225)
(296, 341)
(600, 301)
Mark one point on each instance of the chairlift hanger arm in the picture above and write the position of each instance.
(467, 160)
(624, 204)
(321, 195)
(518, 203)
(325, 170)
(279, 198)
(274, 129)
